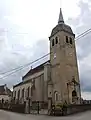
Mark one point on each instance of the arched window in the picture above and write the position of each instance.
(56, 40)
(56, 95)
(67, 41)
(18, 94)
(28, 91)
(23, 93)
(74, 94)
(53, 42)
(32, 91)
(70, 40)
(15, 94)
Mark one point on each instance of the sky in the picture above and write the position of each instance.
(25, 26)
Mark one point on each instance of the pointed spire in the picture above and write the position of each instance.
(61, 20)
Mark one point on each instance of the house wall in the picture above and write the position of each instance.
(5, 97)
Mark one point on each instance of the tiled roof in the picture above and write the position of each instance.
(21, 83)
(32, 71)
(36, 69)
(61, 27)
(18, 84)
(3, 91)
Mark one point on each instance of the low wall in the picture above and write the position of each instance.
(68, 110)
(71, 109)
(19, 108)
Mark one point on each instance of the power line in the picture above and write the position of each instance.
(77, 38)
(83, 34)
(24, 66)
(44, 55)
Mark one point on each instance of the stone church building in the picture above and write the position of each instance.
(56, 80)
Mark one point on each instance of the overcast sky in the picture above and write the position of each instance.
(25, 26)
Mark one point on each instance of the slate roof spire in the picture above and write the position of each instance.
(60, 20)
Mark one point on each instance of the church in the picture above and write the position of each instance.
(56, 80)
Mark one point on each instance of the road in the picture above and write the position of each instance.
(14, 116)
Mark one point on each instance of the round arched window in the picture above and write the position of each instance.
(53, 42)
(67, 41)
(70, 40)
(56, 95)
(74, 93)
(56, 40)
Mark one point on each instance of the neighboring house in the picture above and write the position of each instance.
(5, 93)
(56, 80)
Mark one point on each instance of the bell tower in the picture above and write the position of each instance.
(64, 68)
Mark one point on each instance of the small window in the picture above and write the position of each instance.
(67, 41)
(53, 42)
(70, 40)
(56, 40)
(56, 95)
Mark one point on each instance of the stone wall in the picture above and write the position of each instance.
(72, 109)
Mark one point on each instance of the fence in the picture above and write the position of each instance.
(38, 107)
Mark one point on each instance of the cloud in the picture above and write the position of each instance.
(86, 95)
(81, 24)
(15, 59)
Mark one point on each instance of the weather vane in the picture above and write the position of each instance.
(60, 3)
